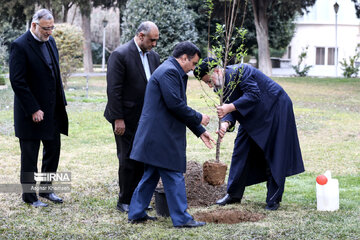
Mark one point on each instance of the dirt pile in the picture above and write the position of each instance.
(228, 216)
(201, 194)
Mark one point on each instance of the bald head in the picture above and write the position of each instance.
(146, 27)
(147, 35)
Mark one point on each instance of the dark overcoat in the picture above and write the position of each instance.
(160, 139)
(36, 88)
(265, 113)
(126, 84)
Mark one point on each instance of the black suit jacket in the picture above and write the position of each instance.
(126, 83)
(36, 88)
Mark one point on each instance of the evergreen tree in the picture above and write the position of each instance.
(174, 20)
(281, 26)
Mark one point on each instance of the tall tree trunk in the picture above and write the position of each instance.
(88, 63)
(262, 35)
(57, 16)
(66, 11)
(122, 9)
(66, 8)
(74, 15)
(121, 4)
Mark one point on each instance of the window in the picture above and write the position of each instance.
(331, 56)
(320, 56)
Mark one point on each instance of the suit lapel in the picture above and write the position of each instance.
(138, 62)
(55, 54)
(36, 48)
(151, 61)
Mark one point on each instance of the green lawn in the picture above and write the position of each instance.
(328, 118)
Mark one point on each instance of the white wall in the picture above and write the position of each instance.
(317, 29)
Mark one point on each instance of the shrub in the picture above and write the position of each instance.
(174, 20)
(278, 53)
(8, 35)
(306, 68)
(351, 69)
(3, 57)
(69, 42)
(2, 78)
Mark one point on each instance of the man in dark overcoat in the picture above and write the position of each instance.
(160, 141)
(128, 70)
(39, 103)
(267, 146)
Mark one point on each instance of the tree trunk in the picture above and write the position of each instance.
(88, 63)
(66, 11)
(74, 15)
(122, 9)
(57, 16)
(65, 16)
(121, 5)
(66, 6)
(262, 36)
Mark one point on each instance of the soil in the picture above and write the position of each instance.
(214, 172)
(200, 193)
(228, 216)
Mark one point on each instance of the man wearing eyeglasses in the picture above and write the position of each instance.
(128, 71)
(39, 104)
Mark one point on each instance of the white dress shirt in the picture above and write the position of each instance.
(145, 61)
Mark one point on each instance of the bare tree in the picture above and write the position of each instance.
(224, 40)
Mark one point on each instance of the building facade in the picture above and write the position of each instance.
(316, 31)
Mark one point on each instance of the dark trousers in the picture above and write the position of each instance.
(175, 192)
(29, 157)
(240, 168)
(130, 171)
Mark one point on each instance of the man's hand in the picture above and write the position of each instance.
(119, 127)
(38, 116)
(225, 109)
(205, 120)
(207, 139)
(223, 128)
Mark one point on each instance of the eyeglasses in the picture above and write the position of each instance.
(46, 28)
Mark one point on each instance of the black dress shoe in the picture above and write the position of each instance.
(39, 203)
(227, 200)
(143, 219)
(52, 197)
(125, 207)
(122, 207)
(191, 224)
(272, 207)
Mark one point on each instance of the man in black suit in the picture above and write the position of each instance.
(39, 104)
(128, 70)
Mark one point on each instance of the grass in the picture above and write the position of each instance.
(328, 120)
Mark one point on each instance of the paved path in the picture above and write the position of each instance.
(283, 72)
(90, 74)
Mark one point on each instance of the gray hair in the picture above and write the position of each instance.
(145, 27)
(42, 13)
